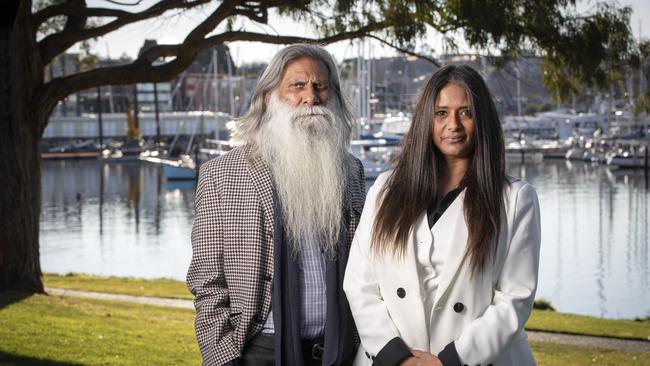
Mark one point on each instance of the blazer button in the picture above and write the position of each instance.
(401, 293)
(258, 319)
(268, 278)
(459, 307)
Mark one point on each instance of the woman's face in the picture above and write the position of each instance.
(453, 123)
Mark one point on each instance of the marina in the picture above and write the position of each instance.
(127, 219)
(118, 188)
(113, 110)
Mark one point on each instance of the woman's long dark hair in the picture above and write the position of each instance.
(413, 185)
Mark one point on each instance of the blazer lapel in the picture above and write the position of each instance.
(451, 229)
(261, 177)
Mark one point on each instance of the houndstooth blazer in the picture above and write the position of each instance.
(231, 272)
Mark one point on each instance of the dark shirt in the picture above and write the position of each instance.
(439, 206)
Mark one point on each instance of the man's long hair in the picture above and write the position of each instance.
(413, 185)
(247, 125)
(305, 148)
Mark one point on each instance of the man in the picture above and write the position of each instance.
(274, 221)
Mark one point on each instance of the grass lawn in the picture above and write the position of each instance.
(119, 285)
(551, 321)
(553, 354)
(55, 331)
(540, 320)
(48, 330)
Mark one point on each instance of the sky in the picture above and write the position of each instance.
(172, 29)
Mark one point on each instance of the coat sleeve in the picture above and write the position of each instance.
(374, 324)
(205, 277)
(487, 336)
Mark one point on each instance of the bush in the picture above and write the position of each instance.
(542, 304)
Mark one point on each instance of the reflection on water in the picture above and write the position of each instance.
(124, 219)
(594, 257)
(117, 219)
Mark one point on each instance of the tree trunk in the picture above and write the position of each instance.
(21, 125)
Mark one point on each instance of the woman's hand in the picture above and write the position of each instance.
(411, 361)
(425, 359)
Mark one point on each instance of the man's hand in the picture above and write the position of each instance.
(425, 359)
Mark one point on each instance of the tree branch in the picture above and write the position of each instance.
(225, 10)
(55, 44)
(404, 50)
(279, 39)
(257, 13)
(142, 70)
(66, 9)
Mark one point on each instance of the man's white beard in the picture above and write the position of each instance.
(306, 153)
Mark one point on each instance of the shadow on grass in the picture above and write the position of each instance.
(9, 297)
(7, 359)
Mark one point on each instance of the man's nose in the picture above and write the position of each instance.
(310, 97)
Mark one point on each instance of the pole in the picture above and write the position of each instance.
(517, 74)
(215, 71)
(155, 101)
(99, 118)
(230, 90)
(64, 104)
(135, 106)
(645, 165)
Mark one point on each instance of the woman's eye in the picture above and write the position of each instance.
(466, 113)
(441, 113)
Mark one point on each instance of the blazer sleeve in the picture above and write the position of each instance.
(514, 293)
(205, 277)
(374, 324)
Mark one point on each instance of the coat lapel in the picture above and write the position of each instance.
(451, 229)
(261, 177)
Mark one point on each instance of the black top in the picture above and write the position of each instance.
(438, 207)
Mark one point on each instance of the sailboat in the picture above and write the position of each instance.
(185, 167)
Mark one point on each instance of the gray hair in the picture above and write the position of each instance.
(247, 125)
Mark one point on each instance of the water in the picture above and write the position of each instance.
(123, 219)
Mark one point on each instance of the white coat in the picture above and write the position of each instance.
(488, 329)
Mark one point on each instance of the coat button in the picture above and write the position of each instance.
(401, 293)
(268, 278)
(258, 319)
(459, 307)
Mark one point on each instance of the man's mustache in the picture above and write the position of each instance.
(312, 111)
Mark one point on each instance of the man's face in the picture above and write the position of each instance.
(304, 83)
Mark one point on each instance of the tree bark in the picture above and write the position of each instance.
(21, 121)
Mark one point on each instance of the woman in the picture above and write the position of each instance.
(443, 266)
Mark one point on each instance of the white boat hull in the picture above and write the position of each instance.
(178, 172)
(626, 161)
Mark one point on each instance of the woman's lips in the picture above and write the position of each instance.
(454, 139)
